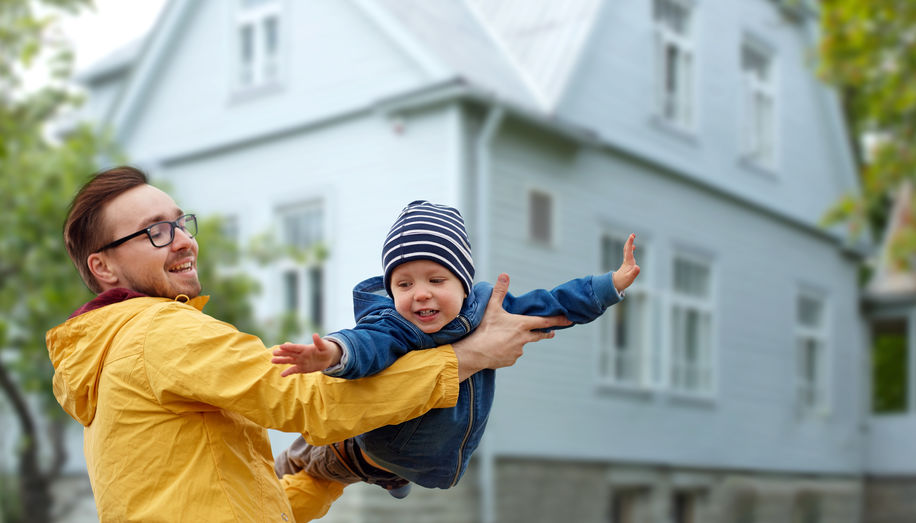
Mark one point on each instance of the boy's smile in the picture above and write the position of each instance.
(426, 294)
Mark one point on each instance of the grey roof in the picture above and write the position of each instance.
(449, 30)
(524, 50)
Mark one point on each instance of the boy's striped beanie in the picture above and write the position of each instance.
(427, 231)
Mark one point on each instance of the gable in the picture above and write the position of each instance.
(183, 94)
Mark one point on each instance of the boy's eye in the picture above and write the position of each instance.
(436, 280)
(403, 284)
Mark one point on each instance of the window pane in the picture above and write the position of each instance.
(755, 63)
(541, 217)
(807, 508)
(316, 295)
(810, 311)
(889, 366)
(291, 291)
(303, 228)
(612, 253)
(673, 15)
(246, 54)
(691, 278)
(271, 47)
(629, 505)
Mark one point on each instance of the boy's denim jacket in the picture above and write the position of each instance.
(433, 450)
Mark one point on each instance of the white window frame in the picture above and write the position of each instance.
(703, 382)
(639, 296)
(265, 68)
(676, 108)
(813, 397)
(303, 271)
(760, 107)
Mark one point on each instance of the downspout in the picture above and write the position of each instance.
(482, 163)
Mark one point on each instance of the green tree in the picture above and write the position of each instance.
(40, 172)
(868, 50)
(38, 176)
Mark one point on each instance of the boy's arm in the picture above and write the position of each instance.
(374, 344)
(583, 299)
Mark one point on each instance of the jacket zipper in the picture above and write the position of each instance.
(467, 433)
(466, 323)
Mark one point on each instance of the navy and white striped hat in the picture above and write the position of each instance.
(427, 231)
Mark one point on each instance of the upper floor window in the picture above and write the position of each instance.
(674, 61)
(811, 352)
(258, 42)
(540, 217)
(625, 356)
(692, 325)
(759, 112)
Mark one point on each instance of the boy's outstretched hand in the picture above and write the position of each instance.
(316, 356)
(628, 270)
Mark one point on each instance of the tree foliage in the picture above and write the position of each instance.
(868, 50)
(38, 176)
(42, 165)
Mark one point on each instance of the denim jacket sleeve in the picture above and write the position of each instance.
(581, 300)
(375, 343)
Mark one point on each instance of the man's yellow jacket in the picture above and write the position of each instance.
(176, 404)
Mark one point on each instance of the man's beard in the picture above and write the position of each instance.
(164, 288)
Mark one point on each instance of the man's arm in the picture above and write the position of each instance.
(199, 362)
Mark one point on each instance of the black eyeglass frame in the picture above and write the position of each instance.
(180, 223)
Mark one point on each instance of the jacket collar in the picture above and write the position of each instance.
(107, 298)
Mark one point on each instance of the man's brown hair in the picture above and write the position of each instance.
(84, 232)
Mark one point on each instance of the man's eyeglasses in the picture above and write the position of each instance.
(161, 234)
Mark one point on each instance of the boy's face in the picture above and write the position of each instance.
(427, 294)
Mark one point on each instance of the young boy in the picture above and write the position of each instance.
(430, 301)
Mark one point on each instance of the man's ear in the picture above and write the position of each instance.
(101, 269)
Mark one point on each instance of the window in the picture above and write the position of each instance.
(685, 506)
(674, 61)
(258, 40)
(625, 345)
(630, 505)
(811, 347)
(759, 113)
(889, 364)
(807, 508)
(691, 326)
(744, 507)
(302, 277)
(540, 217)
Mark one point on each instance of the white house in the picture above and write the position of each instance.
(731, 385)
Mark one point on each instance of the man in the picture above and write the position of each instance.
(175, 403)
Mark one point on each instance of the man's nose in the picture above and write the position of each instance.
(182, 240)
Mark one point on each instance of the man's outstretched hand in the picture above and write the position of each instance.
(501, 336)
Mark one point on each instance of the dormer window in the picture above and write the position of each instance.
(759, 111)
(674, 62)
(258, 43)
